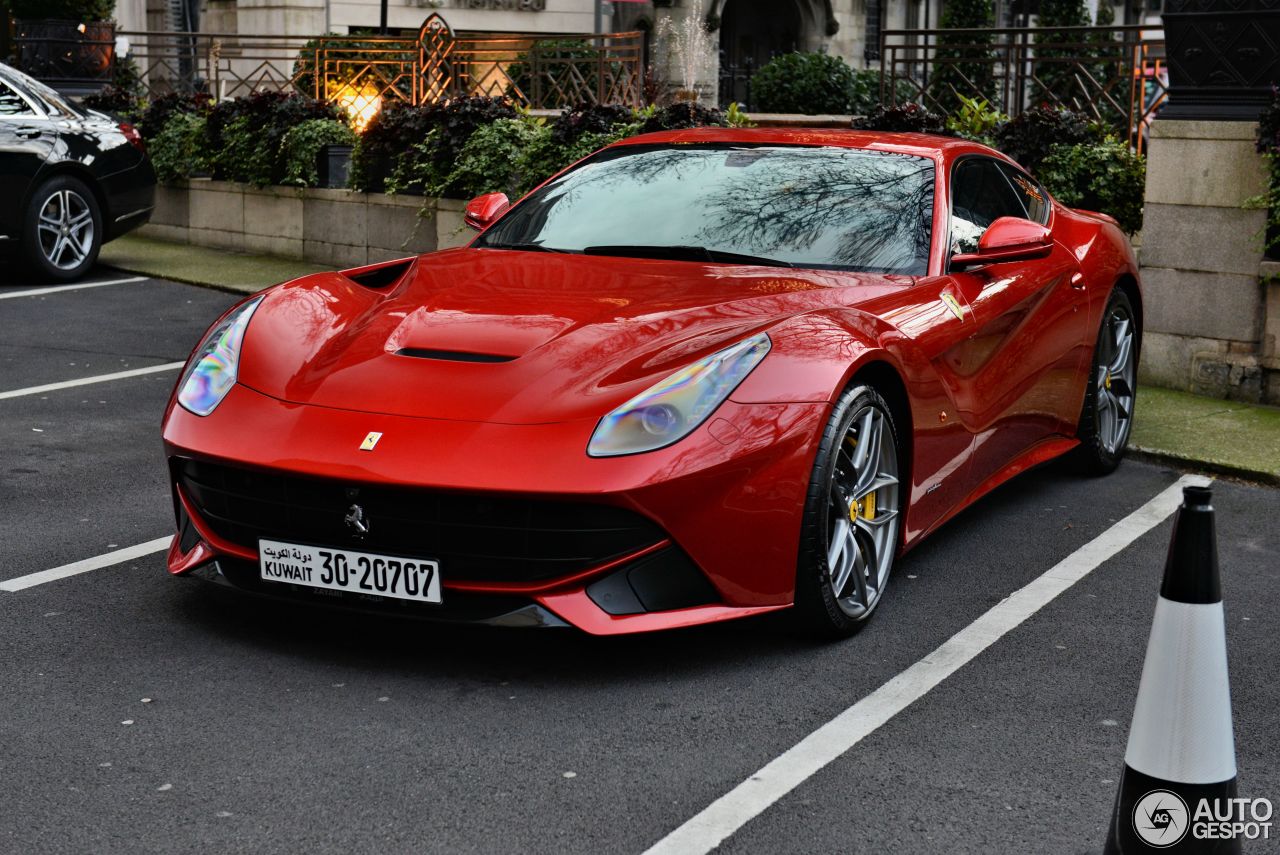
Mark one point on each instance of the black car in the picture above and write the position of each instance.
(70, 178)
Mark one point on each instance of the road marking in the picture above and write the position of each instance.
(79, 286)
(86, 381)
(733, 810)
(97, 563)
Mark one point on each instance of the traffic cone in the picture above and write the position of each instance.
(1181, 748)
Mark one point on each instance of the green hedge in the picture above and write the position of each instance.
(1105, 177)
(809, 83)
(477, 145)
(179, 150)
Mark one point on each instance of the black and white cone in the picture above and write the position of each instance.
(1181, 747)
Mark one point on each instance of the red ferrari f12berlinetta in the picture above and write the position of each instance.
(698, 375)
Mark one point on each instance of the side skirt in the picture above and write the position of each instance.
(1038, 454)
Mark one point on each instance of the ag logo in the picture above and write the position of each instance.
(1160, 818)
(370, 441)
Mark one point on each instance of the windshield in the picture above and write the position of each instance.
(849, 209)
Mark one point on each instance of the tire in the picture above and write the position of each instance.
(62, 232)
(1106, 419)
(848, 545)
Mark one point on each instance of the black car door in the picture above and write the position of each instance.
(27, 139)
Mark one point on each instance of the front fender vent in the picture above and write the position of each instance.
(382, 275)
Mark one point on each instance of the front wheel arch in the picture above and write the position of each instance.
(888, 383)
(1129, 285)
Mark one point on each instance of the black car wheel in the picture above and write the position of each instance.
(850, 530)
(63, 229)
(1107, 416)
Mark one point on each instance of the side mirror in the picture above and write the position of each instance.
(1007, 239)
(483, 210)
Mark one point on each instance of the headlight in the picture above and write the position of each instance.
(672, 409)
(212, 370)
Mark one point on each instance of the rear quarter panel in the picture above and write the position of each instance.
(1105, 255)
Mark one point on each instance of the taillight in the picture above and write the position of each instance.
(132, 135)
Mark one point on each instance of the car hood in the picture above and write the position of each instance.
(518, 337)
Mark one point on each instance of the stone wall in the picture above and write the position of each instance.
(338, 227)
(1212, 320)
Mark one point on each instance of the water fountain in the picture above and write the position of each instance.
(688, 50)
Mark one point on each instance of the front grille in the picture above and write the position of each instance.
(475, 537)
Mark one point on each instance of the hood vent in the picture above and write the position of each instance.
(380, 275)
(451, 355)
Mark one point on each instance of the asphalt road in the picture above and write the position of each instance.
(141, 713)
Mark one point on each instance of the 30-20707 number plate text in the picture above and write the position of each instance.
(347, 570)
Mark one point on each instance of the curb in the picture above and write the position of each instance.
(1210, 467)
(185, 280)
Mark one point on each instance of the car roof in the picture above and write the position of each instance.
(921, 145)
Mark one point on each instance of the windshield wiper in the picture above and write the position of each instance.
(523, 247)
(684, 253)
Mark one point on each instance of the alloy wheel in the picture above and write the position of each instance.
(65, 229)
(863, 513)
(1115, 380)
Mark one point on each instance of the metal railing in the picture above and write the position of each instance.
(224, 65)
(532, 70)
(1115, 74)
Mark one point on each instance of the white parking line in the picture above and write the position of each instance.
(79, 286)
(733, 810)
(86, 381)
(84, 566)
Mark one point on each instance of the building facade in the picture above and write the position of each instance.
(739, 36)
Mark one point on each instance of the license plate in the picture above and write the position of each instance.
(347, 570)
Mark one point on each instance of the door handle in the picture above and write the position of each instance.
(28, 133)
(1077, 281)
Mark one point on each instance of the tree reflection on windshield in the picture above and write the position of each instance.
(807, 206)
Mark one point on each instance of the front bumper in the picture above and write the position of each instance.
(728, 498)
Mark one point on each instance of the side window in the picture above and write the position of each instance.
(980, 195)
(1031, 193)
(11, 103)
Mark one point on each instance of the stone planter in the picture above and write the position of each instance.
(342, 228)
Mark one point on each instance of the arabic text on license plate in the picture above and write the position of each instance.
(346, 570)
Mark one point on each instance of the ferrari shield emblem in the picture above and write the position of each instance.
(954, 305)
(370, 441)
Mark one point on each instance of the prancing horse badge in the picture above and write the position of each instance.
(953, 304)
(370, 441)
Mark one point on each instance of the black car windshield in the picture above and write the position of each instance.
(802, 206)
